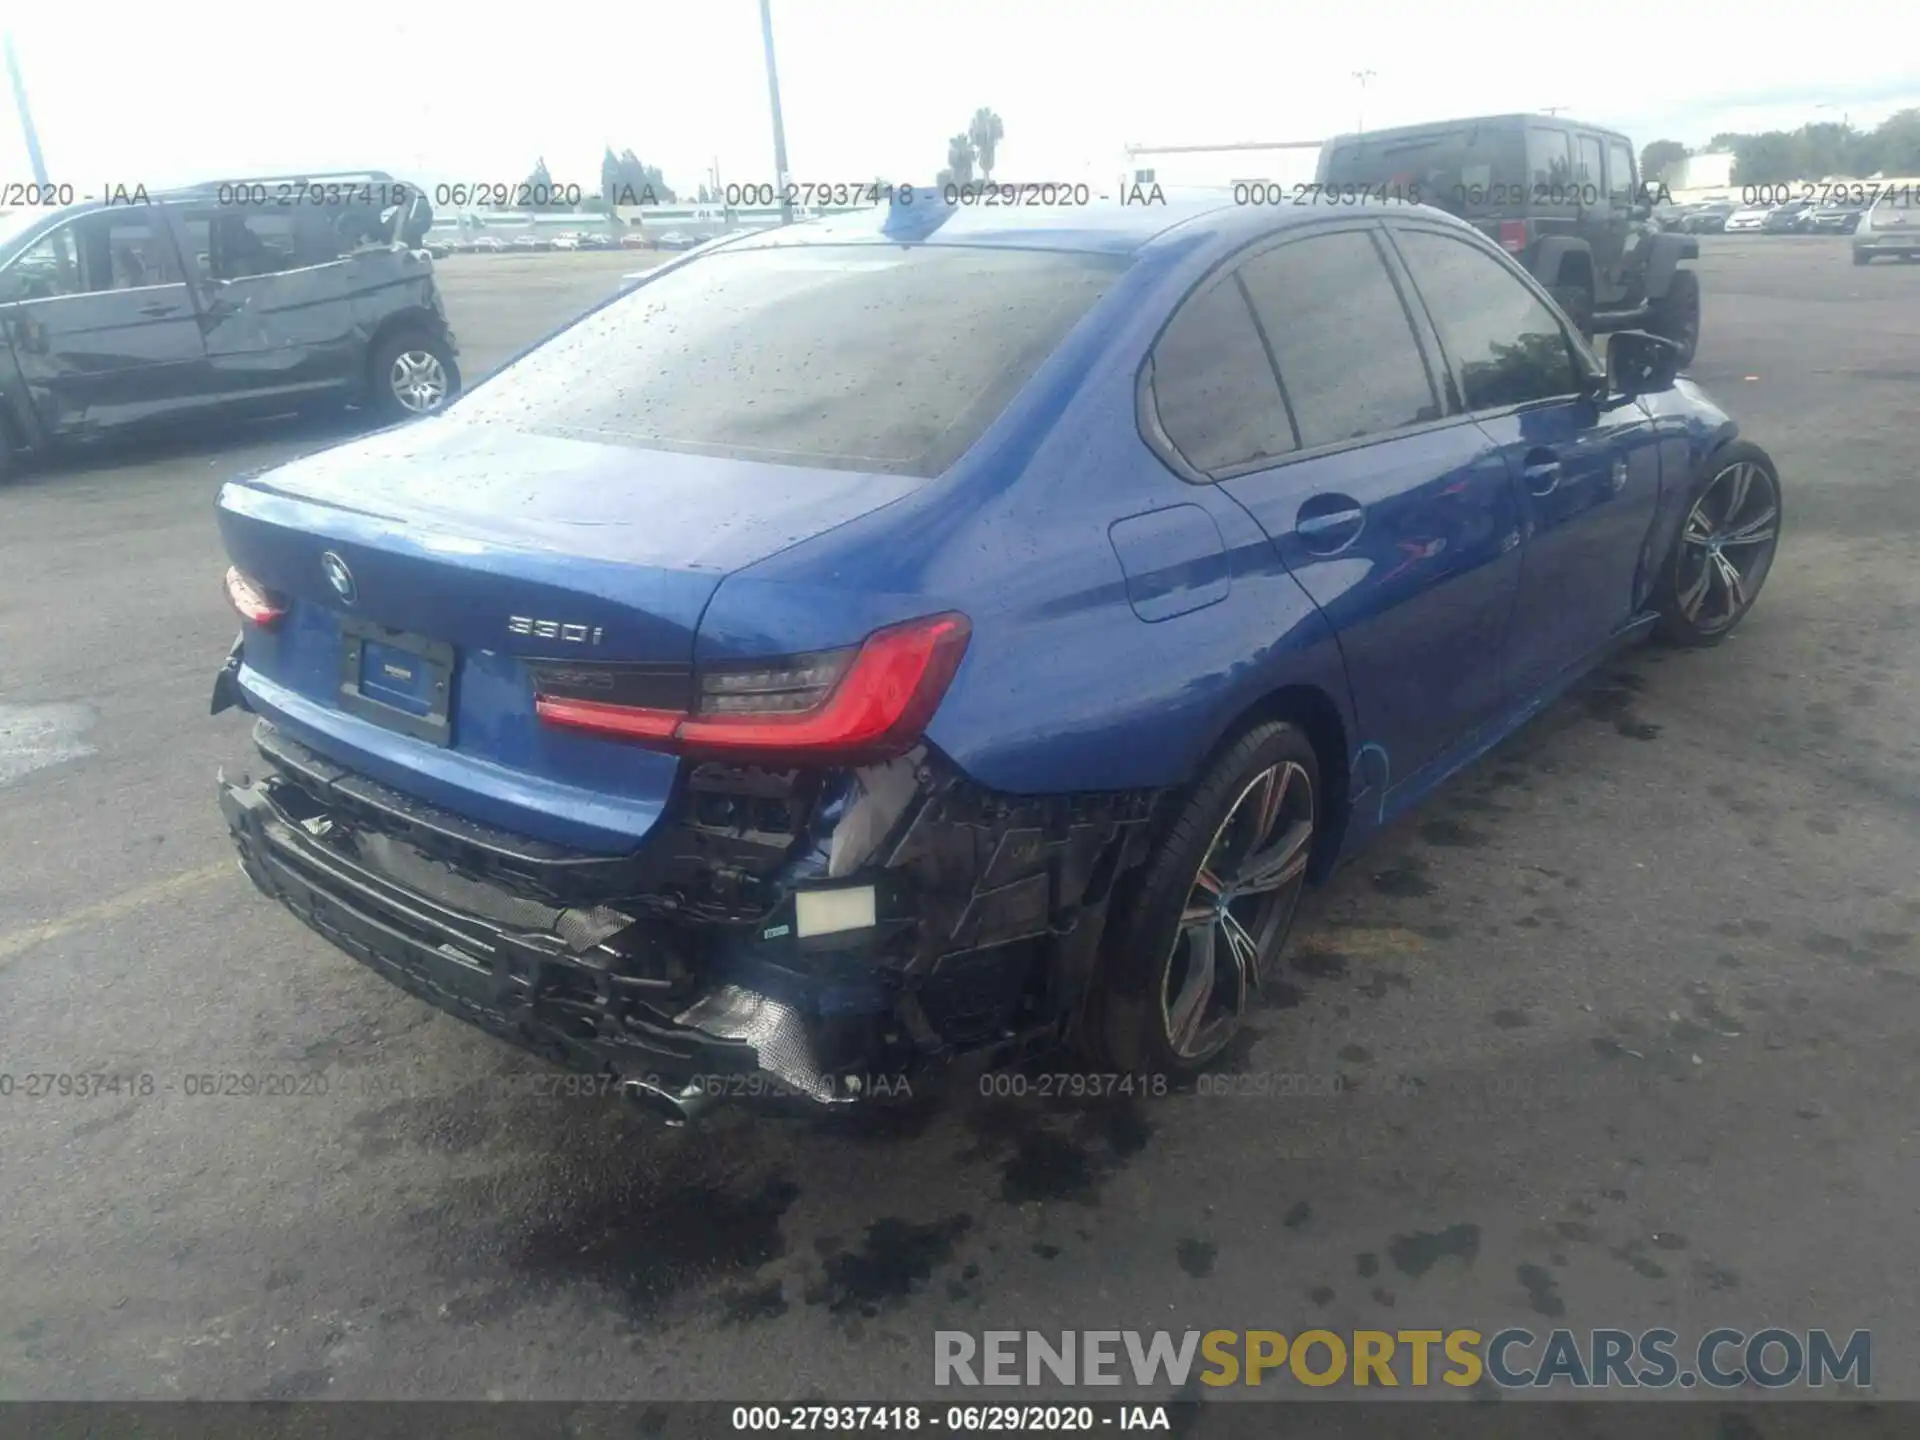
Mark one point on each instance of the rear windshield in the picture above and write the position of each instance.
(1474, 169)
(862, 357)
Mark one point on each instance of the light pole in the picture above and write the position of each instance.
(779, 129)
(26, 117)
(1363, 76)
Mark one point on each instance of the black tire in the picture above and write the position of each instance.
(1577, 301)
(1676, 315)
(1697, 604)
(1862, 257)
(9, 462)
(1153, 946)
(383, 375)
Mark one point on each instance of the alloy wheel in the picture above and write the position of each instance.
(1727, 546)
(419, 380)
(1237, 910)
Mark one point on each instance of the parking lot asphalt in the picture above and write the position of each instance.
(1622, 1029)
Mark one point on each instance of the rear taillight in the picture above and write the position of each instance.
(866, 703)
(1513, 235)
(257, 604)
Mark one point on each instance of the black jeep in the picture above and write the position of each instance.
(1563, 197)
(241, 297)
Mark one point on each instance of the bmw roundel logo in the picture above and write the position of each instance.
(338, 576)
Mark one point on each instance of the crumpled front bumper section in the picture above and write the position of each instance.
(986, 917)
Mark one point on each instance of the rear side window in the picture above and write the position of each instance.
(1549, 158)
(1471, 169)
(862, 357)
(1346, 351)
(118, 248)
(1586, 171)
(1619, 173)
(1214, 387)
(1508, 346)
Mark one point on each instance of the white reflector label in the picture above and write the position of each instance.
(827, 912)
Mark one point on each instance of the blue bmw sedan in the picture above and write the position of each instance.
(942, 633)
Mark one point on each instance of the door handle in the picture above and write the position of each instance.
(1328, 524)
(1541, 471)
(158, 309)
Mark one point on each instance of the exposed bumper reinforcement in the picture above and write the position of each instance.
(677, 1050)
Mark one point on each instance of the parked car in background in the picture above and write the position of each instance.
(1890, 227)
(490, 245)
(1748, 218)
(798, 697)
(566, 241)
(193, 305)
(1708, 218)
(1834, 218)
(1669, 216)
(1791, 218)
(635, 239)
(1562, 195)
(676, 240)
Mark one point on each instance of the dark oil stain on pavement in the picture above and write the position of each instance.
(1634, 1254)
(895, 1256)
(743, 1307)
(1542, 1290)
(1052, 1155)
(1196, 1257)
(1451, 834)
(1510, 1019)
(1320, 964)
(643, 1249)
(1299, 1214)
(1414, 1255)
(1405, 878)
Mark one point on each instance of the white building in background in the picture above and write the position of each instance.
(1710, 171)
(1280, 162)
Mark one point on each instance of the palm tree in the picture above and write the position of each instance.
(986, 132)
(960, 158)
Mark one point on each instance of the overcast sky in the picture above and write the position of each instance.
(456, 91)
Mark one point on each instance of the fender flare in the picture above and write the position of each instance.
(1664, 254)
(1552, 254)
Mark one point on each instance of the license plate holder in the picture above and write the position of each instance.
(400, 682)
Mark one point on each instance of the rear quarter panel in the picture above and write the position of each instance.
(1065, 686)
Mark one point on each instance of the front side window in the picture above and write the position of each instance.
(862, 357)
(231, 243)
(1348, 359)
(1214, 387)
(1509, 347)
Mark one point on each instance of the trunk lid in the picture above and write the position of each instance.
(426, 568)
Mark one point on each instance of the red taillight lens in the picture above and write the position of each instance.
(865, 704)
(257, 604)
(1513, 235)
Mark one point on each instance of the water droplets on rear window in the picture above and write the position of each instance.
(834, 356)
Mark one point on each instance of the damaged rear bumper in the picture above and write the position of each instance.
(780, 951)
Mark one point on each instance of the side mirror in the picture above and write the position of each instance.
(1641, 363)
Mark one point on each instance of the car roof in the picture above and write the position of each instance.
(1434, 127)
(1104, 225)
